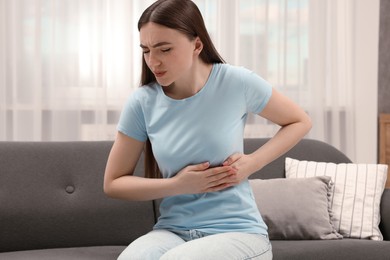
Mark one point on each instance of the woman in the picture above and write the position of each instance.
(190, 114)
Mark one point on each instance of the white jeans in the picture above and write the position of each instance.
(194, 245)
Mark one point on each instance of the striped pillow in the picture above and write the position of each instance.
(356, 197)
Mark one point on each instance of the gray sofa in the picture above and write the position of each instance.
(52, 205)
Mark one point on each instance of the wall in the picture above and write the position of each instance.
(384, 58)
(365, 78)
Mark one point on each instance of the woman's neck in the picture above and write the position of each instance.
(191, 84)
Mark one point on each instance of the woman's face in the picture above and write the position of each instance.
(168, 53)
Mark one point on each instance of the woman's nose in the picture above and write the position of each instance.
(153, 60)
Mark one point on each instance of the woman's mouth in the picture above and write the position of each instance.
(159, 74)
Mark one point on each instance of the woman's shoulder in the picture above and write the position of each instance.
(238, 74)
(232, 72)
(232, 69)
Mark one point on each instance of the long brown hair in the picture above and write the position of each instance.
(184, 16)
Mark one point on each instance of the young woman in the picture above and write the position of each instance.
(190, 114)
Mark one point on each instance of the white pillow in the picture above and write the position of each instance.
(355, 200)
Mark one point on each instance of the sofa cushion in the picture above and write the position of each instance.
(92, 253)
(295, 208)
(356, 196)
(356, 249)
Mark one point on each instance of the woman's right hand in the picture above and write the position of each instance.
(200, 178)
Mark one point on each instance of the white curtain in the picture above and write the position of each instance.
(331, 93)
(67, 67)
(343, 65)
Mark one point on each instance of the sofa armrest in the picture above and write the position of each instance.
(385, 215)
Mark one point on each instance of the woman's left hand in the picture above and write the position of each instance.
(244, 164)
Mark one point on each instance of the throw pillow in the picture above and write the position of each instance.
(355, 200)
(295, 209)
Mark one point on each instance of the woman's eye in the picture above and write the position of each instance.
(145, 52)
(166, 50)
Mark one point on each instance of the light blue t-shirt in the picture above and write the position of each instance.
(206, 127)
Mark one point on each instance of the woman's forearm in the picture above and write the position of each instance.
(136, 188)
(286, 138)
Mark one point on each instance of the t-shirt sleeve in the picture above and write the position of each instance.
(257, 91)
(132, 121)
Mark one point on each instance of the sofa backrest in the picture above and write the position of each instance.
(51, 195)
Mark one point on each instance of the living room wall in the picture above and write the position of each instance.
(384, 58)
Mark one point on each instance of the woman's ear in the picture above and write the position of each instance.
(198, 46)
